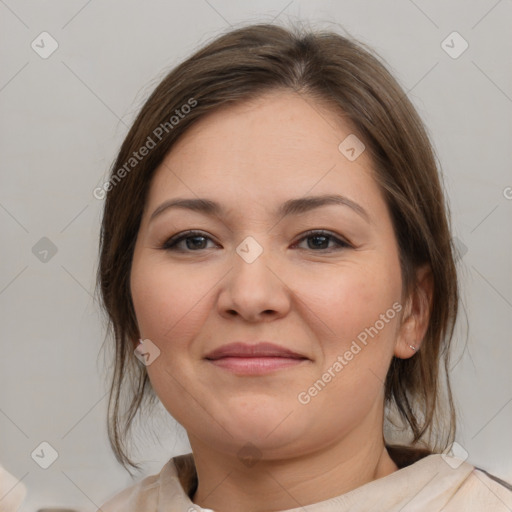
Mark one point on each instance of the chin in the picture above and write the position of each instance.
(268, 432)
(256, 443)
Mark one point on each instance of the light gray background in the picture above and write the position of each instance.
(62, 121)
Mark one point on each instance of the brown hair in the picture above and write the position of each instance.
(333, 70)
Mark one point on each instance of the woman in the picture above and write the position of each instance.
(277, 269)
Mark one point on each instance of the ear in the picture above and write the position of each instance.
(416, 316)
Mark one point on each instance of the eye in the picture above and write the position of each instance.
(321, 240)
(197, 241)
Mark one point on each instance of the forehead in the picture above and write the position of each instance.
(274, 147)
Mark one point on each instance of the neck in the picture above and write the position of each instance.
(225, 484)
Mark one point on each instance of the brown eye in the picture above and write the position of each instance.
(321, 239)
(194, 240)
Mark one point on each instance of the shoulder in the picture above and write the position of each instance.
(142, 495)
(12, 491)
(485, 490)
(442, 482)
(480, 490)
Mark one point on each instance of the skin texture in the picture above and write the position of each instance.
(306, 294)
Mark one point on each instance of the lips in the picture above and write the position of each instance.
(255, 360)
(258, 350)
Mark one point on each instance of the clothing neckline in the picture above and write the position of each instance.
(184, 470)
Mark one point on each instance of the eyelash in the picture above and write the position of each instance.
(171, 243)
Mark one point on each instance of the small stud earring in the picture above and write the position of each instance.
(414, 348)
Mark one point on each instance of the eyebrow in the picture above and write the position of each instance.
(290, 207)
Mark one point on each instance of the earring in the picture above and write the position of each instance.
(414, 348)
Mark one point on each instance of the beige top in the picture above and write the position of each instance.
(424, 483)
(12, 492)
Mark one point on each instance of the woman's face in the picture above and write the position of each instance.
(254, 274)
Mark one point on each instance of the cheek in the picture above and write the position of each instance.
(358, 348)
(354, 298)
(165, 300)
(169, 312)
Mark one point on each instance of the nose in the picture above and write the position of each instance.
(254, 289)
